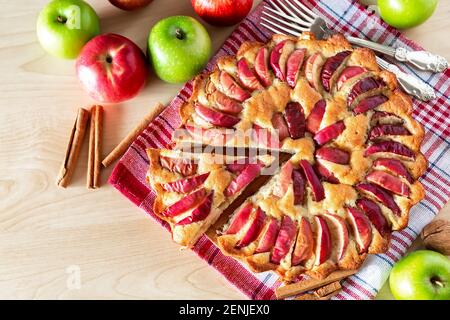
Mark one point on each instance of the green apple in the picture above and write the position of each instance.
(421, 275)
(404, 14)
(64, 26)
(179, 48)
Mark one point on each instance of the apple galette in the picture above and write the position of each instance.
(355, 147)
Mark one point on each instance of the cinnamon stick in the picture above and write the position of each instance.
(95, 145)
(310, 284)
(73, 148)
(120, 149)
(327, 289)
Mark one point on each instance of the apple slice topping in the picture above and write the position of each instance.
(333, 155)
(313, 181)
(232, 89)
(373, 212)
(325, 173)
(298, 184)
(330, 66)
(369, 103)
(185, 167)
(214, 136)
(389, 182)
(382, 117)
(394, 166)
(253, 230)
(323, 242)
(304, 245)
(285, 239)
(262, 66)
(284, 180)
(348, 73)
(312, 69)
(361, 228)
(239, 165)
(240, 219)
(224, 103)
(186, 185)
(279, 56)
(269, 237)
(362, 86)
(279, 123)
(215, 117)
(315, 117)
(200, 213)
(246, 76)
(293, 66)
(329, 133)
(190, 201)
(265, 137)
(247, 175)
(388, 130)
(379, 194)
(339, 230)
(295, 119)
(393, 147)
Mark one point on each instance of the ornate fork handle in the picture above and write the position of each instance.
(420, 59)
(409, 83)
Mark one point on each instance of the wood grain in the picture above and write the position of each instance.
(45, 232)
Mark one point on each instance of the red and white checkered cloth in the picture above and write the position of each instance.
(350, 18)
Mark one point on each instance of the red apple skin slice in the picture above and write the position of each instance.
(284, 180)
(285, 238)
(316, 186)
(315, 117)
(342, 230)
(362, 228)
(200, 213)
(214, 136)
(362, 86)
(390, 147)
(330, 66)
(186, 185)
(298, 183)
(240, 219)
(262, 66)
(239, 165)
(394, 166)
(381, 195)
(312, 69)
(224, 103)
(188, 202)
(185, 167)
(295, 119)
(247, 175)
(323, 243)
(279, 56)
(329, 133)
(269, 237)
(266, 138)
(293, 66)
(333, 155)
(389, 182)
(373, 212)
(246, 76)
(216, 118)
(347, 74)
(388, 130)
(279, 123)
(232, 89)
(369, 103)
(325, 173)
(304, 245)
(254, 230)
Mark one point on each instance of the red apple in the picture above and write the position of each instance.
(240, 219)
(111, 68)
(222, 12)
(253, 230)
(130, 4)
(285, 238)
(304, 246)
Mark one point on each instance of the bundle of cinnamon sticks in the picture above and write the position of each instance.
(95, 144)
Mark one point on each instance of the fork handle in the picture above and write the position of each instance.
(420, 59)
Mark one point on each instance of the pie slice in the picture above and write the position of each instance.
(192, 189)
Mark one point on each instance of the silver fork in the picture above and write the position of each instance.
(298, 18)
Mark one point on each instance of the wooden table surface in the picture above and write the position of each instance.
(51, 237)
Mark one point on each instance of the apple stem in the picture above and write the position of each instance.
(437, 281)
(179, 34)
(62, 19)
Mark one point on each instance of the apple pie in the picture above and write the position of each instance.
(355, 155)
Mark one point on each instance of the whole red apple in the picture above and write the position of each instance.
(222, 12)
(130, 4)
(111, 68)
